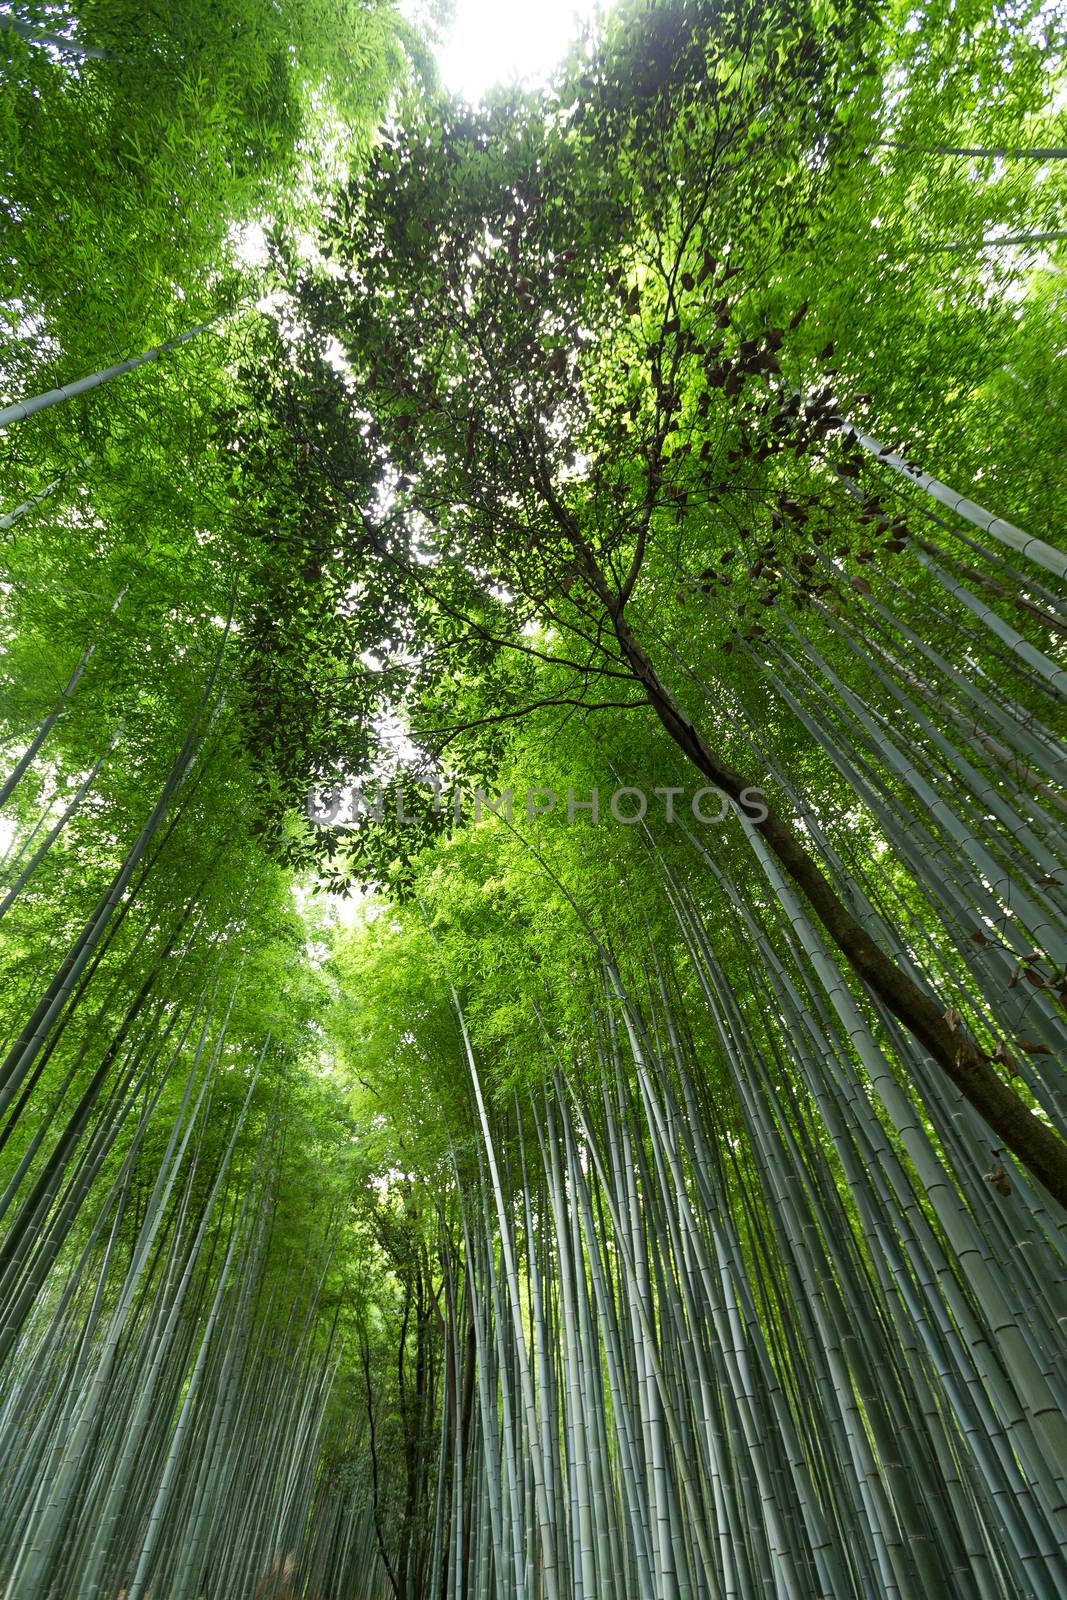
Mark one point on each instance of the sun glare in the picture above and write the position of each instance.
(508, 41)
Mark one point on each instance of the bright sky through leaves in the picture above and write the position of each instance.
(498, 41)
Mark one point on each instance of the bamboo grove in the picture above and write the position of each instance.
(533, 848)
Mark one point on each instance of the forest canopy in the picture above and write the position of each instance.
(533, 871)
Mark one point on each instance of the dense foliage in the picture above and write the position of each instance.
(533, 899)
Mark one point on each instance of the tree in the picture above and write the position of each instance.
(565, 337)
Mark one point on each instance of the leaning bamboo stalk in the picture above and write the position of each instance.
(1053, 675)
(998, 528)
(30, 753)
(9, 519)
(51, 41)
(70, 810)
(22, 409)
(20, 1060)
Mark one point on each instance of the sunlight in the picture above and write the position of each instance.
(507, 41)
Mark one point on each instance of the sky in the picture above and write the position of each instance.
(497, 41)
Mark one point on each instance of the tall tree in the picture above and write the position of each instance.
(584, 383)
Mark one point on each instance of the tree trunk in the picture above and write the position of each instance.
(1040, 1150)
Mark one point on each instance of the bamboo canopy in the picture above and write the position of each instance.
(533, 865)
